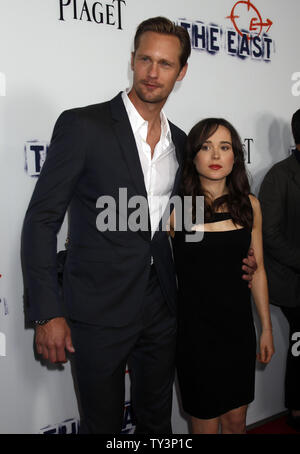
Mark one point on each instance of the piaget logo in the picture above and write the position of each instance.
(104, 12)
(243, 35)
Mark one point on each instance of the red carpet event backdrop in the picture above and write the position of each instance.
(59, 54)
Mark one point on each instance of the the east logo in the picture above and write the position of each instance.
(35, 155)
(246, 37)
(255, 21)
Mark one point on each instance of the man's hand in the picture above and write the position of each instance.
(53, 339)
(250, 266)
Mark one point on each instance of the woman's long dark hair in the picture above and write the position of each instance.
(237, 201)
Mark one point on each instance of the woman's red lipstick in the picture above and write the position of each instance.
(215, 167)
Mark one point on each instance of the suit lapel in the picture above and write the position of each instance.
(125, 137)
(179, 155)
(127, 143)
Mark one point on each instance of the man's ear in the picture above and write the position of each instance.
(182, 72)
(132, 60)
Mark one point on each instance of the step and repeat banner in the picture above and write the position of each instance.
(59, 54)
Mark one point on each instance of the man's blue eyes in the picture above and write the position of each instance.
(163, 63)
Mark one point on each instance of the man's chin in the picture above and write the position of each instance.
(151, 99)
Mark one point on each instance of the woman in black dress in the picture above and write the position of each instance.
(216, 335)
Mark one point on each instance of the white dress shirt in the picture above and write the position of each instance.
(160, 170)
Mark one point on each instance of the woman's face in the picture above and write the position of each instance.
(215, 159)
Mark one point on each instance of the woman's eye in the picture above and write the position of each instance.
(205, 148)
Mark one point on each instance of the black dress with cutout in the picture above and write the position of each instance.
(216, 351)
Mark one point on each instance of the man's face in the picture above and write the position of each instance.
(156, 67)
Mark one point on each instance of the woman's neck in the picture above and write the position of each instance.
(214, 188)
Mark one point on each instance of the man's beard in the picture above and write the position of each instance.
(144, 97)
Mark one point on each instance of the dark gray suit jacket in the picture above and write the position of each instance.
(92, 153)
(280, 202)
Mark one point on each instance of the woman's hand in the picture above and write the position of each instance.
(266, 346)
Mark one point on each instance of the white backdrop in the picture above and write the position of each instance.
(55, 55)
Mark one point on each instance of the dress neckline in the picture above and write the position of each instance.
(218, 217)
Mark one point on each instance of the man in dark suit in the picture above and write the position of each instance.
(280, 202)
(119, 288)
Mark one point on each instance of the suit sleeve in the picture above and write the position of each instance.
(52, 194)
(272, 197)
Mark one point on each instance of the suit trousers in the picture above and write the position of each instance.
(147, 346)
(292, 376)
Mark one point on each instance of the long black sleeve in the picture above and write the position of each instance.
(272, 196)
(45, 215)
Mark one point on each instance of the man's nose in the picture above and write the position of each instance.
(153, 70)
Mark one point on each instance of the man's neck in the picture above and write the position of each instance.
(149, 111)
